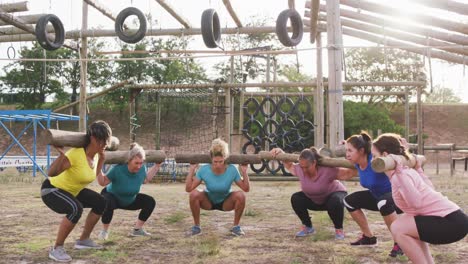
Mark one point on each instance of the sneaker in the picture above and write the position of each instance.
(103, 235)
(140, 232)
(365, 241)
(396, 251)
(237, 231)
(305, 231)
(195, 230)
(58, 254)
(87, 243)
(339, 234)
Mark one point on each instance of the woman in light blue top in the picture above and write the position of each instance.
(218, 178)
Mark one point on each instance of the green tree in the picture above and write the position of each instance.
(370, 64)
(442, 95)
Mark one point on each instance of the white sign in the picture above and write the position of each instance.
(23, 161)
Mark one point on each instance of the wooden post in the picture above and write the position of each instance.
(84, 69)
(407, 114)
(227, 105)
(318, 113)
(335, 60)
(157, 134)
(241, 117)
(419, 121)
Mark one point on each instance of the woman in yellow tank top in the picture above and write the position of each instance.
(65, 190)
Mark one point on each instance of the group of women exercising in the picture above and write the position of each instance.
(415, 213)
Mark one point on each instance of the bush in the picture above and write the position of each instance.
(361, 116)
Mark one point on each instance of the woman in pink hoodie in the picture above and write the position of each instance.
(429, 217)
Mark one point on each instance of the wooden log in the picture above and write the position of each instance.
(339, 151)
(205, 158)
(449, 5)
(120, 156)
(173, 13)
(28, 19)
(383, 164)
(15, 7)
(233, 14)
(314, 19)
(325, 161)
(73, 139)
(15, 30)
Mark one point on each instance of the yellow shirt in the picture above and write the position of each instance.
(78, 176)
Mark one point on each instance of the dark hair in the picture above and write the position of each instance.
(361, 141)
(100, 130)
(390, 143)
(311, 155)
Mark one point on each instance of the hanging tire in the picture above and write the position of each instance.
(282, 27)
(273, 166)
(249, 129)
(41, 32)
(297, 106)
(305, 129)
(119, 22)
(251, 101)
(274, 128)
(272, 107)
(279, 107)
(210, 28)
(251, 145)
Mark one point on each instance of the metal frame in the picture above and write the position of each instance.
(34, 118)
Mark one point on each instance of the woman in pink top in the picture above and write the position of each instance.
(429, 217)
(321, 190)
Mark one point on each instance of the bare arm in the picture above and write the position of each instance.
(192, 182)
(345, 174)
(244, 183)
(60, 164)
(287, 164)
(101, 177)
(152, 172)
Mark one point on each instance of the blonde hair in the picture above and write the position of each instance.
(136, 150)
(219, 148)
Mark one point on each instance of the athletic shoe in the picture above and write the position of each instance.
(396, 251)
(103, 235)
(305, 231)
(339, 234)
(87, 243)
(58, 254)
(237, 231)
(195, 230)
(140, 232)
(365, 241)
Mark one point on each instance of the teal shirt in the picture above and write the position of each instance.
(218, 187)
(124, 184)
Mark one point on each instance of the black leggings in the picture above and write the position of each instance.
(365, 200)
(142, 201)
(63, 202)
(333, 205)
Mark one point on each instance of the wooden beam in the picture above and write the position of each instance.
(205, 158)
(314, 19)
(83, 70)
(15, 30)
(17, 22)
(27, 19)
(101, 8)
(15, 7)
(416, 17)
(173, 13)
(325, 161)
(73, 139)
(292, 4)
(383, 164)
(319, 115)
(113, 87)
(415, 29)
(120, 156)
(448, 5)
(335, 72)
(233, 14)
(383, 31)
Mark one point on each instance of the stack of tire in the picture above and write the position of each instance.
(284, 122)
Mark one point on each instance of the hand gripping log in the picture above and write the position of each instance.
(383, 164)
(327, 162)
(205, 158)
(73, 139)
(120, 156)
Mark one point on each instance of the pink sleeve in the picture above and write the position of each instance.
(407, 188)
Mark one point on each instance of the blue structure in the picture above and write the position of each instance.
(32, 118)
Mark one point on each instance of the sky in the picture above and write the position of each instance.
(69, 11)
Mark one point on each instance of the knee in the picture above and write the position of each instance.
(348, 203)
(385, 207)
(195, 195)
(238, 197)
(296, 198)
(75, 215)
(151, 202)
(100, 206)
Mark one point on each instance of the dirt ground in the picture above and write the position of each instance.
(28, 229)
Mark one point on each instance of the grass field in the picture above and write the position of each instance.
(29, 228)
